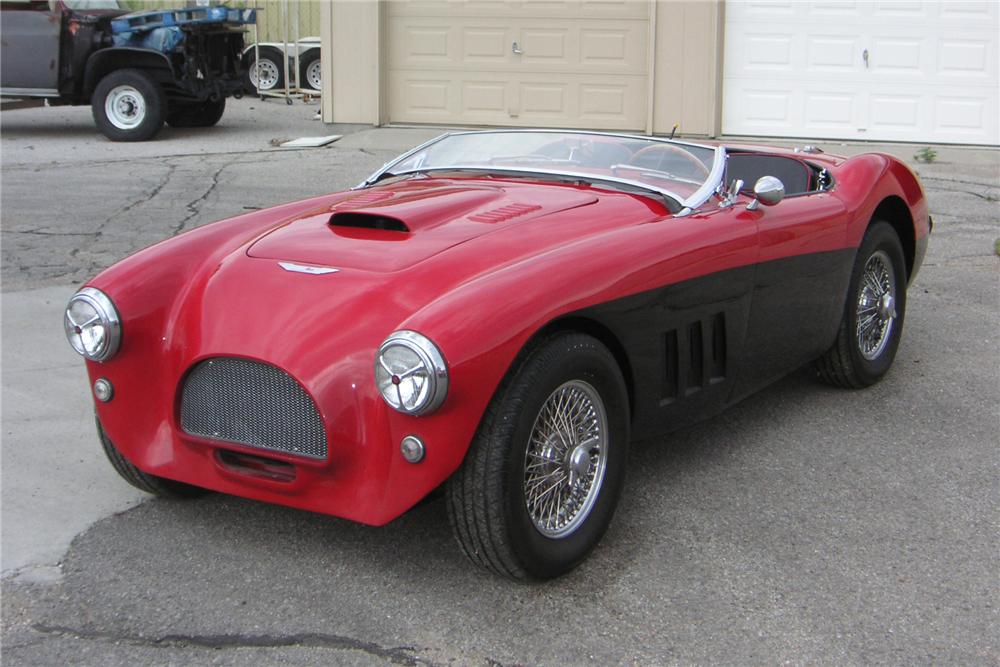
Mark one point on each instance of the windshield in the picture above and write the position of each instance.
(685, 173)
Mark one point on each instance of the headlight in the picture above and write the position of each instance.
(410, 373)
(92, 324)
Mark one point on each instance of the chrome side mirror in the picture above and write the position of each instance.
(768, 191)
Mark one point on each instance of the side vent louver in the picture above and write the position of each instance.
(368, 221)
(694, 357)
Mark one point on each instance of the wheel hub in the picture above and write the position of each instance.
(886, 306)
(578, 465)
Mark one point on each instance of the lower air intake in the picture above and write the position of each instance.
(250, 403)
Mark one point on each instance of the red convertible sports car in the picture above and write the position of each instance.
(499, 313)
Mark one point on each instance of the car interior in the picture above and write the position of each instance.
(797, 176)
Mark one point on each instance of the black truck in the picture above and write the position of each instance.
(137, 70)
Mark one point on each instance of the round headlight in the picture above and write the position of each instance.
(92, 324)
(411, 373)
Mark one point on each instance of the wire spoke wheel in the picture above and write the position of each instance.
(876, 307)
(565, 460)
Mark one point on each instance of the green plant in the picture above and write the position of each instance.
(996, 247)
(926, 154)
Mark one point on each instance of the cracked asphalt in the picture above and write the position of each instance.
(806, 525)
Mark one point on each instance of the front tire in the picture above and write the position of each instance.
(542, 477)
(128, 105)
(158, 486)
(872, 323)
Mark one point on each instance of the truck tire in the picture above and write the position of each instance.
(128, 105)
(201, 114)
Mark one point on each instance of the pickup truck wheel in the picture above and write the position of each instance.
(202, 114)
(128, 105)
(158, 486)
(310, 74)
(541, 480)
(269, 73)
(872, 323)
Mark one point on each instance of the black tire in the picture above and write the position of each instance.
(201, 114)
(844, 364)
(309, 59)
(486, 500)
(268, 55)
(158, 486)
(140, 112)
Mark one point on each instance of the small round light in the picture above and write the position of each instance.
(412, 449)
(92, 324)
(411, 373)
(103, 390)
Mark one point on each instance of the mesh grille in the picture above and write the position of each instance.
(251, 403)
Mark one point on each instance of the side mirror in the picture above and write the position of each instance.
(768, 191)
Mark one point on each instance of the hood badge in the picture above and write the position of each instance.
(301, 268)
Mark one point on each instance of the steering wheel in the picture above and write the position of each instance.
(658, 157)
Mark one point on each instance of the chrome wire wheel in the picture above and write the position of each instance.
(264, 74)
(314, 75)
(566, 458)
(876, 308)
(125, 107)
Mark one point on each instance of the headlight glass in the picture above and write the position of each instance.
(92, 324)
(411, 373)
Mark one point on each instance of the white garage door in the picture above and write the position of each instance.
(549, 64)
(895, 70)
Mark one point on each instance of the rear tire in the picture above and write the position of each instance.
(872, 323)
(128, 105)
(158, 486)
(559, 420)
(199, 114)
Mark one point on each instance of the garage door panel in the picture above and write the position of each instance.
(531, 9)
(576, 63)
(798, 69)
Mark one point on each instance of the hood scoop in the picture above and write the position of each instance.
(355, 220)
(390, 230)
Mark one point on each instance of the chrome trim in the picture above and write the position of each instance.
(700, 196)
(312, 270)
(29, 92)
(108, 315)
(431, 359)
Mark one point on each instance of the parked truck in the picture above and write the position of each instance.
(137, 70)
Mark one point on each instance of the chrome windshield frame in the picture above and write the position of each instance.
(685, 205)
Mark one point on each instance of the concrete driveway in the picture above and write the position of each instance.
(807, 525)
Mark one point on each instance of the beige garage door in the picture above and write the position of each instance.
(534, 63)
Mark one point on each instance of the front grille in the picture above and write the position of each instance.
(255, 404)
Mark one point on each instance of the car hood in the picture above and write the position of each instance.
(393, 227)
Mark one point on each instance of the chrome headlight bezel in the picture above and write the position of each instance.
(105, 315)
(432, 368)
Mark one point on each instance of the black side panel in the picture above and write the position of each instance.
(683, 369)
(698, 346)
(797, 307)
